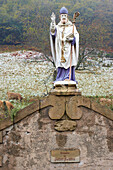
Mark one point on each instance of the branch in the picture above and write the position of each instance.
(88, 53)
(47, 57)
(82, 57)
(37, 61)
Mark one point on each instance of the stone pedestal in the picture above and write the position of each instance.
(62, 111)
(65, 88)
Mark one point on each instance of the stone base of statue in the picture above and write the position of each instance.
(65, 88)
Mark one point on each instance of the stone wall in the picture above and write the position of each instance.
(27, 144)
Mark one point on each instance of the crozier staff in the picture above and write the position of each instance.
(64, 40)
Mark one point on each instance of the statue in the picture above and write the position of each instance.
(64, 40)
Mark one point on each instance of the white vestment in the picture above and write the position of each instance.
(60, 47)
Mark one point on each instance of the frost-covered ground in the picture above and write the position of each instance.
(98, 84)
(19, 74)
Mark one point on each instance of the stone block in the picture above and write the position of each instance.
(72, 109)
(26, 111)
(83, 101)
(5, 123)
(0, 161)
(46, 102)
(102, 110)
(65, 125)
(1, 137)
(65, 88)
(20, 115)
(58, 109)
(75, 92)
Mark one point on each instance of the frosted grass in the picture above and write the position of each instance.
(98, 84)
(18, 74)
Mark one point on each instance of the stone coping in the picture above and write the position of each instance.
(74, 92)
(1, 137)
(47, 101)
(21, 114)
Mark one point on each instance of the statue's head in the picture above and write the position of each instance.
(64, 15)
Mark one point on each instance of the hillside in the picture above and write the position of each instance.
(27, 22)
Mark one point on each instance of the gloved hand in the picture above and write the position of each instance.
(53, 24)
(53, 17)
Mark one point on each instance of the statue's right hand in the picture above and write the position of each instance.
(53, 17)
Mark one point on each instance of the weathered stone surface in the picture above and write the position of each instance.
(58, 109)
(65, 155)
(28, 144)
(65, 125)
(20, 115)
(1, 137)
(109, 135)
(83, 101)
(72, 109)
(37, 105)
(5, 123)
(27, 111)
(61, 140)
(0, 161)
(102, 110)
(65, 88)
(66, 91)
(75, 92)
(46, 101)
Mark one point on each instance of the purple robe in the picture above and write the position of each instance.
(63, 74)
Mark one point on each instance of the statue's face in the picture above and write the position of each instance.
(64, 18)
